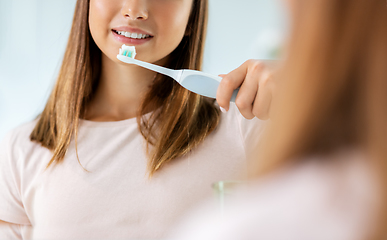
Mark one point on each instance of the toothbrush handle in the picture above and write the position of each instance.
(166, 71)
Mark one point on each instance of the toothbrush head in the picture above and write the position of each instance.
(128, 51)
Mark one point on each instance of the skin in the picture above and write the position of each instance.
(257, 86)
(121, 87)
(118, 96)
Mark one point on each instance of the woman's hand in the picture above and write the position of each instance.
(256, 82)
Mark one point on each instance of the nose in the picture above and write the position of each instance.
(135, 10)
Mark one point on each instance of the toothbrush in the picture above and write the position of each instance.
(195, 81)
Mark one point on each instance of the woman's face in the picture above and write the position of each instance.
(154, 27)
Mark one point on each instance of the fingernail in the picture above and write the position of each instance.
(223, 110)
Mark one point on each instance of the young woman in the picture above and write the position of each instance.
(323, 160)
(119, 151)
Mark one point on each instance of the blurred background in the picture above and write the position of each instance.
(33, 36)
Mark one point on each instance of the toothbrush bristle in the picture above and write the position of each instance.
(128, 51)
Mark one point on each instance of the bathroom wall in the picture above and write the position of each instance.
(32, 41)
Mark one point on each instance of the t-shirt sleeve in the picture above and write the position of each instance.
(11, 205)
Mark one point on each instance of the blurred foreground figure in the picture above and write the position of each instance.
(321, 167)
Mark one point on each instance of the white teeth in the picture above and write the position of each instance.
(133, 35)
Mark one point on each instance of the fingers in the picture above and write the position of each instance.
(229, 83)
(262, 104)
(256, 89)
(248, 91)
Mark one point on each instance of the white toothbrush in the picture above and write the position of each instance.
(195, 81)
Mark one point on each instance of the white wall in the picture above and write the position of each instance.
(33, 35)
(242, 29)
(32, 41)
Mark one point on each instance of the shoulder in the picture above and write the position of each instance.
(19, 135)
(334, 195)
(16, 145)
(322, 177)
(317, 199)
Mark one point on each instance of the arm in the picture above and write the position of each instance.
(12, 212)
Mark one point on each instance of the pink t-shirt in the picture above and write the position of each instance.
(115, 199)
(322, 198)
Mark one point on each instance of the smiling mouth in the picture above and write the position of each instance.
(132, 35)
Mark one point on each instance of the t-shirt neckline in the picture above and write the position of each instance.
(125, 122)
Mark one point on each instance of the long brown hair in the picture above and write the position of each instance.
(182, 120)
(333, 87)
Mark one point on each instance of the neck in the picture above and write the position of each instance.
(119, 92)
